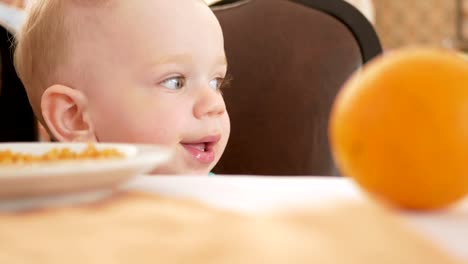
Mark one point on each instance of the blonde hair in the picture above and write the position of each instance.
(45, 45)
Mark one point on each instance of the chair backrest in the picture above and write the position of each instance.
(288, 60)
(17, 121)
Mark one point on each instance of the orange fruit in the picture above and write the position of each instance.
(399, 128)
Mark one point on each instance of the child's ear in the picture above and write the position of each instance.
(66, 114)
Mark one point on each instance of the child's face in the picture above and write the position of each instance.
(158, 66)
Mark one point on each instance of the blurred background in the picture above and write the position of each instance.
(433, 22)
(441, 23)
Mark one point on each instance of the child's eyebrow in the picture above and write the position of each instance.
(180, 58)
(186, 59)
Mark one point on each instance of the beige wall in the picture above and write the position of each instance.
(407, 22)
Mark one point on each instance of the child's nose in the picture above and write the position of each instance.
(209, 104)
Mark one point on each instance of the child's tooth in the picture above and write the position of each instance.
(200, 147)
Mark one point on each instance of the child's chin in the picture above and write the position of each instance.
(199, 172)
(173, 171)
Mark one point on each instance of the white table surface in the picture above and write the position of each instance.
(448, 228)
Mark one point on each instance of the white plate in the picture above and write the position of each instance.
(78, 176)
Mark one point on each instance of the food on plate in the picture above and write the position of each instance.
(8, 157)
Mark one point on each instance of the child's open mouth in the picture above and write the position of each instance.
(202, 149)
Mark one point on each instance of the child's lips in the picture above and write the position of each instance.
(202, 149)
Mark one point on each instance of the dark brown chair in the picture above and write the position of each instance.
(288, 60)
(17, 121)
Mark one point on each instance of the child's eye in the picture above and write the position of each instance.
(174, 83)
(216, 83)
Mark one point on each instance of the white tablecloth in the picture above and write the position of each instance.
(448, 228)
